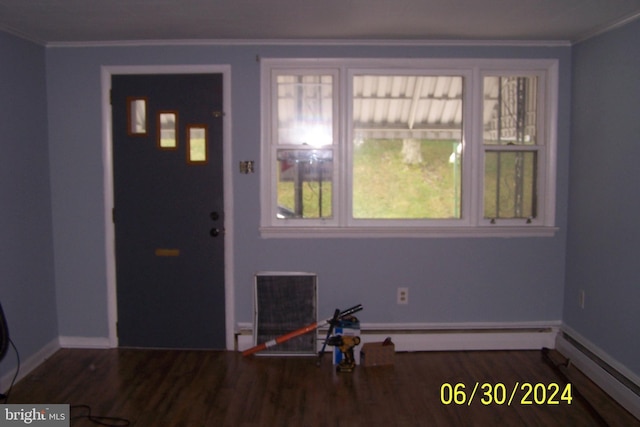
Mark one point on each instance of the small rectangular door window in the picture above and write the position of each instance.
(137, 116)
(197, 144)
(167, 125)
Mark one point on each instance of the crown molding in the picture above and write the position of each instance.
(22, 35)
(324, 42)
(605, 29)
(311, 42)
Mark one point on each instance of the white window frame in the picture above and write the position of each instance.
(472, 223)
(270, 148)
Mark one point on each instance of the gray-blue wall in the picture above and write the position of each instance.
(27, 288)
(450, 280)
(604, 233)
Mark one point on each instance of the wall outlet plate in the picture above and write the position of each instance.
(403, 296)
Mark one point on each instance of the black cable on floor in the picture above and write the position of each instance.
(5, 397)
(101, 420)
(592, 410)
(98, 419)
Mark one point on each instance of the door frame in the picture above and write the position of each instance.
(107, 143)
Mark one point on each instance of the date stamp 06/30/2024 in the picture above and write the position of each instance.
(524, 393)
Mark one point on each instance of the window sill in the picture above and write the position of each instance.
(405, 232)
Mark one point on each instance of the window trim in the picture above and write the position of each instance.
(546, 123)
(269, 204)
(465, 214)
(471, 223)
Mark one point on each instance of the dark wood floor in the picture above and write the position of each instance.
(198, 388)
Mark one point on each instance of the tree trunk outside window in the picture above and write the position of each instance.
(411, 152)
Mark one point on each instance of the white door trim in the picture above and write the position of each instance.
(107, 163)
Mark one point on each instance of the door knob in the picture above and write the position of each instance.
(214, 216)
(214, 232)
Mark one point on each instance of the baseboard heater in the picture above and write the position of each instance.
(633, 387)
(442, 337)
(622, 385)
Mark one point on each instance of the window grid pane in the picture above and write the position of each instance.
(407, 148)
(305, 110)
(510, 110)
(510, 184)
(304, 184)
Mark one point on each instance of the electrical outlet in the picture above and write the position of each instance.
(403, 295)
(581, 298)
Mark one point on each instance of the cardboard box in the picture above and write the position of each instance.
(377, 354)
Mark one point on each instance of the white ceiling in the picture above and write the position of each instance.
(73, 21)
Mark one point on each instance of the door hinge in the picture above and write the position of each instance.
(113, 215)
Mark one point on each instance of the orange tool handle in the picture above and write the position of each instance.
(281, 339)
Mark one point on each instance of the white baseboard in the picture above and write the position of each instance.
(85, 342)
(32, 362)
(445, 337)
(601, 368)
(29, 364)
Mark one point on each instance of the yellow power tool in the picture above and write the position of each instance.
(346, 345)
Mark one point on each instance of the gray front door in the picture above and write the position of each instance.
(168, 214)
